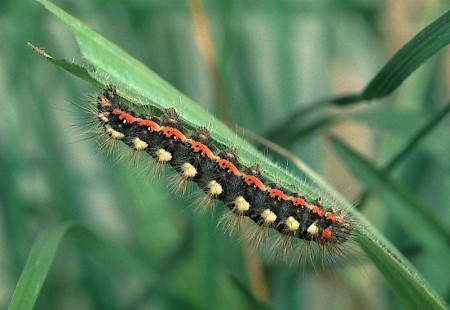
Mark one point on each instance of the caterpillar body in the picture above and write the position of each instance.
(220, 175)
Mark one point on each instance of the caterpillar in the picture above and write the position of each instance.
(220, 175)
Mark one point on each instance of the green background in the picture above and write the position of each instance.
(150, 249)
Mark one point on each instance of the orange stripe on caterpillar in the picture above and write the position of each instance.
(170, 132)
(325, 235)
(199, 147)
(252, 180)
(151, 125)
(229, 166)
(297, 201)
(124, 116)
(276, 193)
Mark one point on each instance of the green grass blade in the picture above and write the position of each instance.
(421, 134)
(140, 84)
(46, 247)
(70, 67)
(37, 267)
(413, 54)
(398, 68)
(412, 214)
(114, 65)
(402, 203)
(414, 292)
(304, 113)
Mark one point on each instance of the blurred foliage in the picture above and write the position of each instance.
(142, 246)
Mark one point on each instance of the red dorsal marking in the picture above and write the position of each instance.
(330, 216)
(252, 180)
(173, 132)
(199, 147)
(152, 126)
(228, 165)
(298, 201)
(316, 210)
(325, 235)
(127, 117)
(276, 193)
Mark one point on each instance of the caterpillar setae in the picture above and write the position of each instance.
(243, 190)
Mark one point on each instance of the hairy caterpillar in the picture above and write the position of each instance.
(243, 190)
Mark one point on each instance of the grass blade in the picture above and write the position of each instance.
(70, 67)
(46, 247)
(37, 267)
(414, 292)
(398, 68)
(142, 85)
(407, 208)
(421, 134)
(409, 212)
(411, 56)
